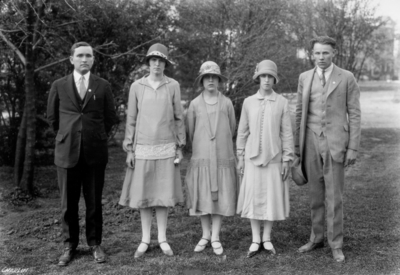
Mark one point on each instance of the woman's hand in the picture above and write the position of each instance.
(240, 164)
(285, 170)
(178, 156)
(130, 160)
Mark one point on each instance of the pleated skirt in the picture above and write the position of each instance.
(263, 194)
(152, 183)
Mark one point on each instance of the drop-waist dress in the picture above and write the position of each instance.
(154, 130)
(211, 175)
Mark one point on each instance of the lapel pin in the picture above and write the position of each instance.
(89, 90)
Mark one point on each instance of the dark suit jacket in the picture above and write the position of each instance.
(343, 113)
(81, 123)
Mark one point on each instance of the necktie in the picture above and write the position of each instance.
(323, 80)
(82, 88)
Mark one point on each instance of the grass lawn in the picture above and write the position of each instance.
(30, 234)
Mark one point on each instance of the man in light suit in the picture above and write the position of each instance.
(81, 111)
(327, 138)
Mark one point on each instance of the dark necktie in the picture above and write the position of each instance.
(82, 88)
(323, 80)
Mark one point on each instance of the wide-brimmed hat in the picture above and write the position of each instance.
(209, 67)
(266, 67)
(297, 173)
(158, 50)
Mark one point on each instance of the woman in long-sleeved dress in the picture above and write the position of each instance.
(211, 176)
(264, 149)
(154, 136)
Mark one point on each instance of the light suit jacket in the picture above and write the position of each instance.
(81, 123)
(343, 114)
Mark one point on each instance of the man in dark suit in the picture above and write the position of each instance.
(327, 138)
(81, 111)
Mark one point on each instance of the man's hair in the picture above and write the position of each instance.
(77, 45)
(324, 40)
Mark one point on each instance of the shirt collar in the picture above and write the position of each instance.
(327, 70)
(271, 97)
(144, 81)
(77, 76)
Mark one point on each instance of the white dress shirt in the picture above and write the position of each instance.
(328, 72)
(77, 79)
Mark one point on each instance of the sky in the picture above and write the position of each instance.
(389, 8)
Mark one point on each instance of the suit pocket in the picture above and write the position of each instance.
(60, 137)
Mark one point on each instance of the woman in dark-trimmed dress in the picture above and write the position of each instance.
(154, 136)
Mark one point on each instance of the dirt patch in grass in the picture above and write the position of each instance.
(30, 234)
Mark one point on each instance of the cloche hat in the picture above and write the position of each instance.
(158, 50)
(209, 67)
(266, 67)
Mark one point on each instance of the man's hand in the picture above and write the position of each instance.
(285, 170)
(130, 160)
(351, 156)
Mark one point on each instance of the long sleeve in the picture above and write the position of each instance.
(286, 134)
(178, 116)
(53, 108)
(299, 111)
(232, 118)
(354, 113)
(110, 115)
(190, 122)
(131, 119)
(243, 131)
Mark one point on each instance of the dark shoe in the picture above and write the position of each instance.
(217, 250)
(251, 253)
(167, 252)
(338, 255)
(200, 247)
(98, 254)
(310, 246)
(67, 256)
(138, 253)
(272, 250)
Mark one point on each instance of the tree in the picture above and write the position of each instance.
(40, 33)
(350, 22)
(237, 35)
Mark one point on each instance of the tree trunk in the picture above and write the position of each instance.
(20, 150)
(26, 181)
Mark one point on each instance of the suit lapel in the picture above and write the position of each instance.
(334, 80)
(93, 84)
(69, 81)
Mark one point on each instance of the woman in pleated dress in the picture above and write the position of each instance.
(154, 136)
(211, 175)
(264, 150)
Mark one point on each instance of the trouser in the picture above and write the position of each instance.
(70, 181)
(326, 181)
